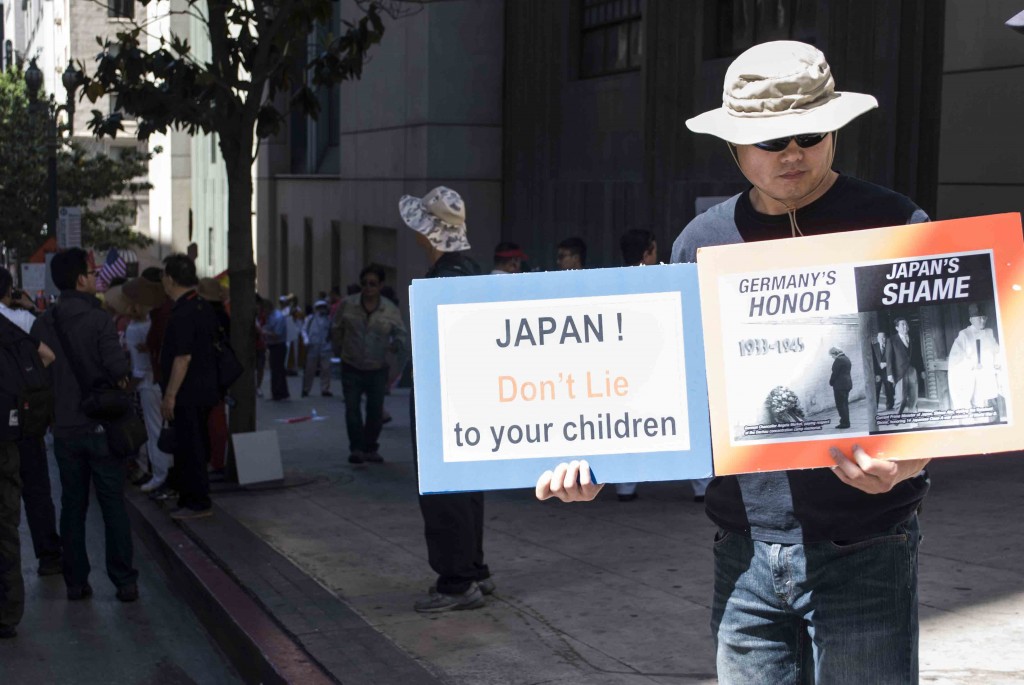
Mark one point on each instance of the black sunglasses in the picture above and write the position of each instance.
(780, 144)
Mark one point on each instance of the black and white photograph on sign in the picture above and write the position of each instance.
(806, 379)
(931, 340)
(935, 366)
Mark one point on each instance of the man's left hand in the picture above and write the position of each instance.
(870, 475)
(167, 407)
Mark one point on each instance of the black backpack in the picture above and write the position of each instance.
(26, 398)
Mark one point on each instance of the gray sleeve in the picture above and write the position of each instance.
(716, 226)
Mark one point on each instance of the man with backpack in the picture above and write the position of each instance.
(89, 358)
(35, 472)
(22, 379)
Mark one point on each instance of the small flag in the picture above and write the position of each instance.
(114, 267)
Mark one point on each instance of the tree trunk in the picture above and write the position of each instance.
(237, 150)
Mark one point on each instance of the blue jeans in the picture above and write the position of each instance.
(825, 612)
(83, 461)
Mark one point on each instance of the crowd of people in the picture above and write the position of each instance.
(132, 382)
(829, 534)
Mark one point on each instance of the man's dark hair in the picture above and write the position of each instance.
(6, 283)
(577, 247)
(67, 266)
(182, 270)
(375, 269)
(634, 244)
(504, 247)
(152, 273)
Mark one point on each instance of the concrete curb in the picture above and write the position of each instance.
(259, 649)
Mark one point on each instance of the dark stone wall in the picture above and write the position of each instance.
(596, 157)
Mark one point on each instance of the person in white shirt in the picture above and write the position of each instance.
(149, 393)
(21, 317)
(316, 335)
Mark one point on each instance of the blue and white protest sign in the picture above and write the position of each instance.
(516, 373)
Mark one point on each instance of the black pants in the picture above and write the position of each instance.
(278, 378)
(35, 492)
(454, 528)
(890, 391)
(83, 461)
(12, 587)
(191, 455)
(363, 435)
(842, 406)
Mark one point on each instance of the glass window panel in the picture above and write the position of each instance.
(621, 33)
(636, 43)
(593, 53)
(742, 25)
(805, 20)
(773, 18)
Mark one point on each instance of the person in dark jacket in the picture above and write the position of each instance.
(12, 586)
(79, 443)
(842, 384)
(35, 473)
(190, 391)
(453, 523)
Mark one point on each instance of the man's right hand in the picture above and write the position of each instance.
(568, 482)
(891, 379)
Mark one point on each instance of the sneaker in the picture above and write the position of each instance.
(163, 494)
(355, 458)
(80, 592)
(437, 602)
(186, 514)
(7, 632)
(373, 457)
(128, 593)
(151, 485)
(50, 567)
(486, 586)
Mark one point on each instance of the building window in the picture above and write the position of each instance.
(307, 259)
(742, 24)
(121, 9)
(335, 253)
(282, 254)
(612, 37)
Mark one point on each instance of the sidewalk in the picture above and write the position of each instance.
(100, 640)
(604, 592)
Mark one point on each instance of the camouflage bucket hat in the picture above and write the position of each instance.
(440, 217)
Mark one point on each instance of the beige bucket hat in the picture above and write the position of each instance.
(440, 216)
(779, 89)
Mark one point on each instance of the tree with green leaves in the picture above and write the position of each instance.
(101, 184)
(259, 69)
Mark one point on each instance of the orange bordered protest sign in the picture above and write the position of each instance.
(908, 341)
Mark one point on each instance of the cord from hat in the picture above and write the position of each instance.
(790, 208)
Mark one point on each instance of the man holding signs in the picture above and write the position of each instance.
(814, 568)
(453, 523)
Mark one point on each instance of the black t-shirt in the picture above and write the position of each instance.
(190, 331)
(813, 505)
